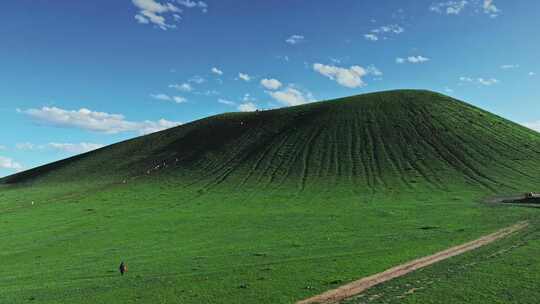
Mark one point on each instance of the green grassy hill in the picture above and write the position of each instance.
(393, 140)
(262, 207)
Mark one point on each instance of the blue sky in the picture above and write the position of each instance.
(76, 75)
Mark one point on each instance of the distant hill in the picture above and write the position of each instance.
(396, 140)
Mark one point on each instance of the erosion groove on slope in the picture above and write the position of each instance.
(391, 140)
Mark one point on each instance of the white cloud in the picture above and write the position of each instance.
(412, 59)
(75, 148)
(157, 13)
(179, 99)
(247, 107)
(487, 82)
(203, 5)
(448, 90)
(141, 19)
(291, 96)
(25, 146)
(271, 84)
(161, 96)
(226, 102)
(295, 39)
(373, 70)
(479, 81)
(509, 66)
(65, 147)
(176, 99)
(449, 7)
(151, 11)
(533, 125)
(375, 33)
(197, 79)
(247, 97)
(187, 3)
(490, 8)
(185, 87)
(347, 77)
(217, 71)
(532, 74)
(207, 93)
(371, 37)
(392, 28)
(244, 77)
(456, 7)
(8, 163)
(417, 59)
(95, 121)
(191, 4)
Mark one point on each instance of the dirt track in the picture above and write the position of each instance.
(357, 287)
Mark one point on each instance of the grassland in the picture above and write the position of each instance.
(507, 271)
(265, 207)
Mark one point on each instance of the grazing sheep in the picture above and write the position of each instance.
(123, 268)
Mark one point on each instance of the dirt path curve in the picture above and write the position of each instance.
(357, 287)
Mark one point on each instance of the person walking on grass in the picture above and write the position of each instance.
(123, 268)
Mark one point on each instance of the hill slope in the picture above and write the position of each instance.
(266, 207)
(394, 139)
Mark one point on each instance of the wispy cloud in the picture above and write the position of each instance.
(244, 77)
(226, 102)
(412, 59)
(164, 15)
(191, 4)
(197, 79)
(8, 163)
(373, 70)
(184, 87)
(153, 12)
(456, 7)
(271, 84)
(351, 77)
(86, 119)
(490, 8)
(449, 7)
(165, 97)
(25, 146)
(291, 96)
(295, 39)
(391, 28)
(73, 148)
(479, 81)
(371, 37)
(487, 82)
(374, 34)
(217, 71)
(247, 107)
(509, 66)
(347, 77)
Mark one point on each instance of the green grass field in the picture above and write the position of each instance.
(269, 207)
(507, 271)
